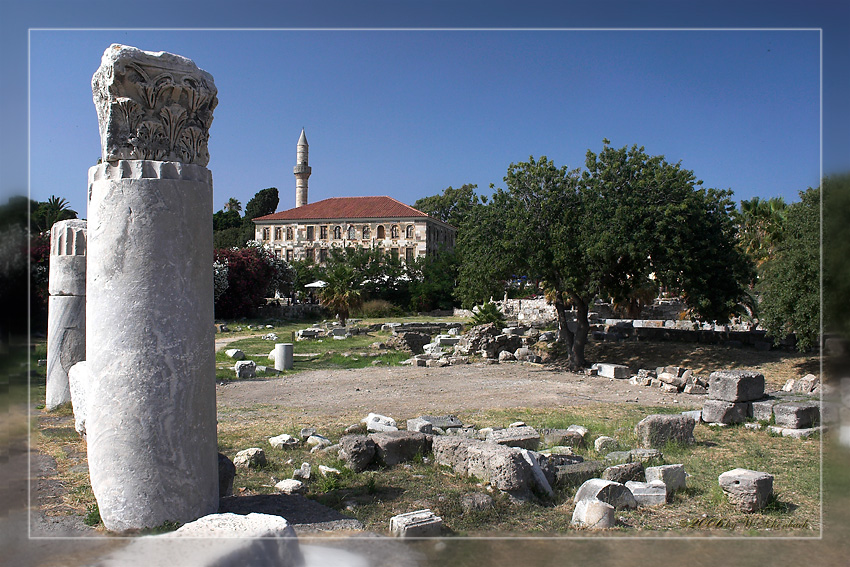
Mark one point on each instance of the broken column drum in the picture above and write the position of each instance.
(151, 416)
(66, 308)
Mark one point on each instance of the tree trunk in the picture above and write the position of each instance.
(577, 360)
(565, 336)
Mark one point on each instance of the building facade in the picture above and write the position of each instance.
(310, 230)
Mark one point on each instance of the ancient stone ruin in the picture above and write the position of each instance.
(66, 308)
(150, 415)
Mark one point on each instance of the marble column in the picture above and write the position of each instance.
(66, 308)
(150, 415)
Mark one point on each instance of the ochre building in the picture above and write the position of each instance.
(310, 230)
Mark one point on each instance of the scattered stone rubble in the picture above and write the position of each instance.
(671, 379)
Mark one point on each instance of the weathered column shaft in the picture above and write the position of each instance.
(66, 308)
(151, 416)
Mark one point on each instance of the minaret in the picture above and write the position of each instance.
(302, 170)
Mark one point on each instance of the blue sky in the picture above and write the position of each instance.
(407, 113)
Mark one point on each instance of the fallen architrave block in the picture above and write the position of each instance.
(421, 523)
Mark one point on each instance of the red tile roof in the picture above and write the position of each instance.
(347, 208)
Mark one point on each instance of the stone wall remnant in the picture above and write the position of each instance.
(151, 417)
(66, 308)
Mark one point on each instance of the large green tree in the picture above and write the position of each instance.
(627, 221)
(790, 285)
(263, 203)
(836, 249)
(761, 223)
(453, 206)
(46, 214)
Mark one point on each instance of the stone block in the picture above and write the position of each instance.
(393, 447)
(719, 411)
(800, 433)
(806, 384)
(593, 515)
(645, 456)
(282, 441)
(648, 493)
(215, 540)
(654, 431)
(618, 371)
(246, 369)
(673, 476)
(503, 467)
(290, 486)
(250, 458)
(358, 451)
(564, 437)
(537, 474)
(696, 415)
(580, 429)
(735, 385)
(303, 472)
(604, 444)
(797, 415)
(420, 425)
(235, 354)
(421, 523)
(672, 380)
(525, 437)
(79, 378)
(762, 410)
(378, 422)
(694, 390)
(748, 490)
(623, 473)
(442, 421)
(618, 457)
(614, 493)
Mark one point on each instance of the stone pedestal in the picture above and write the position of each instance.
(283, 356)
(66, 308)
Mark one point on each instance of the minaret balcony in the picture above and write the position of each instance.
(302, 168)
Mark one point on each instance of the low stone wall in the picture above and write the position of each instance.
(296, 311)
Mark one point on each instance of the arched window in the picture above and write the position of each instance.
(381, 232)
(352, 233)
(337, 233)
(289, 233)
(367, 232)
(410, 231)
(394, 231)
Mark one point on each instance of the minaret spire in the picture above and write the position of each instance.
(302, 170)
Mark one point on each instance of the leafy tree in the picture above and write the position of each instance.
(222, 220)
(253, 274)
(790, 285)
(433, 280)
(46, 214)
(232, 205)
(263, 203)
(627, 221)
(453, 207)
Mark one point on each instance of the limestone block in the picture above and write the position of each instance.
(393, 447)
(421, 523)
(797, 415)
(303, 472)
(580, 429)
(250, 458)
(78, 380)
(593, 515)
(420, 425)
(800, 433)
(283, 441)
(648, 493)
(673, 476)
(614, 493)
(235, 354)
(645, 455)
(617, 457)
(806, 384)
(378, 422)
(672, 380)
(735, 385)
(537, 473)
(525, 437)
(153, 106)
(695, 390)
(617, 371)
(357, 451)
(66, 308)
(151, 415)
(226, 474)
(318, 440)
(564, 437)
(604, 444)
(452, 452)
(246, 369)
(748, 490)
(654, 431)
(503, 467)
(762, 410)
(696, 415)
(442, 421)
(623, 473)
(290, 486)
(216, 540)
(329, 471)
(719, 411)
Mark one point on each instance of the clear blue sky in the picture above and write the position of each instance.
(407, 113)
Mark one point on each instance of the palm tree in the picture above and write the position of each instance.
(232, 204)
(53, 210)
(339, 295)
(760, 228)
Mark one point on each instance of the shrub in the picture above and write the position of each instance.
(378, 308)
(488, 313)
